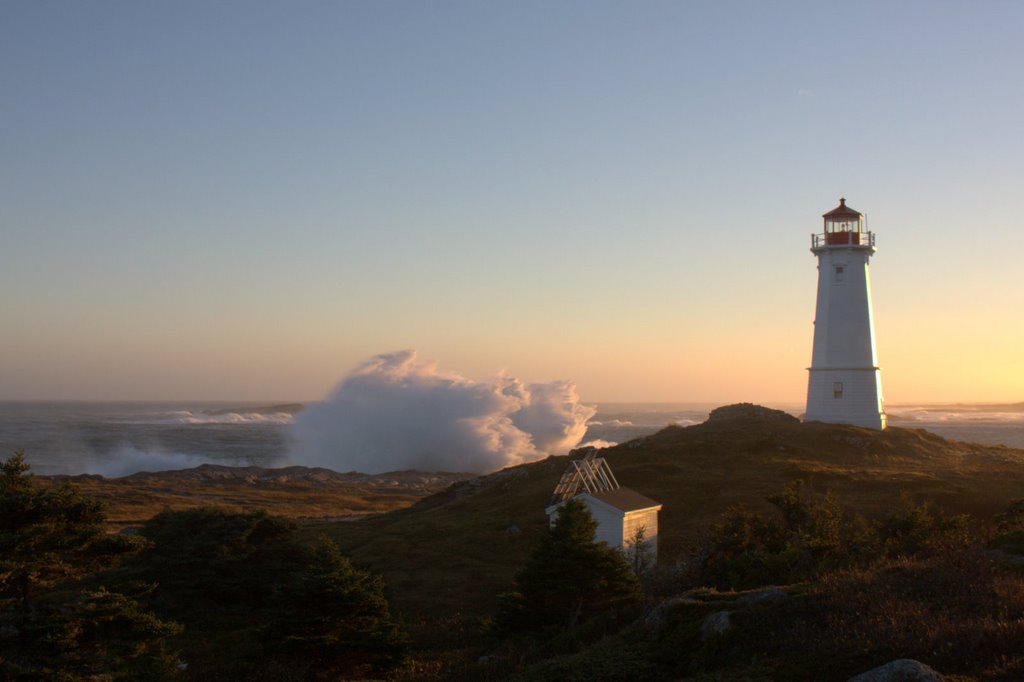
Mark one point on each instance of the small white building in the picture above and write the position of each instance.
(619, 512)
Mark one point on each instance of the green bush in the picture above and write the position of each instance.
(806, 538)
(57, 619)
(242, 582)
(569, 578)
(215, 559)
(333, 619)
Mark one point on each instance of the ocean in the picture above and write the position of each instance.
(117, 439)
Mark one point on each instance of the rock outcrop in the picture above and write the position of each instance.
(902, 670)
(715, 624)
(749, 412)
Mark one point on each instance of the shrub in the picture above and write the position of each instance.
(806, 538)
(210, 558)
(57, 620)
(243, 582)
(569, 578)
(333, 619)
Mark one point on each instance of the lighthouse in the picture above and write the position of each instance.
(845, 383)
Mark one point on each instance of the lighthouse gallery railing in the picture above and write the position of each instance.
(823, 239)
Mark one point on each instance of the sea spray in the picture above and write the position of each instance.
(394, 413)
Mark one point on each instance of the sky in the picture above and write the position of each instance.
(245, 200)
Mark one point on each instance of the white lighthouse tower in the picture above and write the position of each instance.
(845, 384)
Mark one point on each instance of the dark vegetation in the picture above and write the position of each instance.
(806, 539)
(242, 583)
(202, 594)
(57, 619)
(920, 585)
(815, 551)
(569, 580)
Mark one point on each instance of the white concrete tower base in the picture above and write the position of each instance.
(861, 402)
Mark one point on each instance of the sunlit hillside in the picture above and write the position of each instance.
(447, 557)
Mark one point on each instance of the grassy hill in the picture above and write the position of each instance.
(449, 544)
(446, 557)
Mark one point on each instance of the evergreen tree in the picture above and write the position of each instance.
(213, 559)
(569, 578)
(243, 582)
(45, 535)
(56, 620)
(334, 618)
(638, 551)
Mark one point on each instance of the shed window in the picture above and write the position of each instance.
(837, 390)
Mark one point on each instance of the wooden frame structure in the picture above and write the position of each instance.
(591, 474)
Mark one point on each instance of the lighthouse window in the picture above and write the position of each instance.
(839, 273)
(837, 389)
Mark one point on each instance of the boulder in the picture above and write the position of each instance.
(768, 594)
(655, 618)
(902, 670)
(715, 624)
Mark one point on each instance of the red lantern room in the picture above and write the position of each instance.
(843, 227)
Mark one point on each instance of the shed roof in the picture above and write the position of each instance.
(625, 499)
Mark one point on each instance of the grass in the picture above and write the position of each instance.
(445, 558)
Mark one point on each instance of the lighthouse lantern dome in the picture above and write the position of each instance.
(842, 218)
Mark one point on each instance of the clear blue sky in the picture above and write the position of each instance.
(244, 199)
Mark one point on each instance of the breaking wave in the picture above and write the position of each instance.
(188, 417)
(126, 459)
(394, 413)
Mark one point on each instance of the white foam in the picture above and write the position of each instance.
(201, 417)
(232, 418)
(126, 459)
(394, 412)
(598, 443)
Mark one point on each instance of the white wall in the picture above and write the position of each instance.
(843, 324)
(860, 404)
(844, 343)
(609, 522)
(617, 528)
(649, 520)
